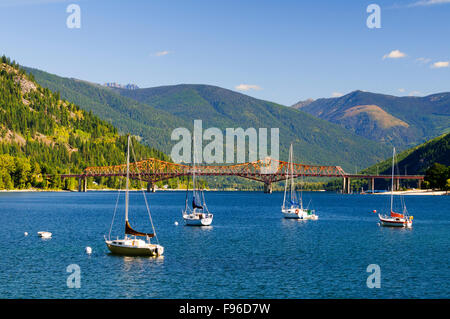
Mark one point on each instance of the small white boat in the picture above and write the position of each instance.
(395, 219)
(133, 246)
(311, 215)
(292, 207)
(199, 214)
(44, 234)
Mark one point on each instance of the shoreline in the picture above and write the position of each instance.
(417, 192)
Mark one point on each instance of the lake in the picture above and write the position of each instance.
(249, 252)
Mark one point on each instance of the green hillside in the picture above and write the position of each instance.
(42, 134)
(418, 159)
(315, 141)
(153, 113)
(403, 121)
(128, 115)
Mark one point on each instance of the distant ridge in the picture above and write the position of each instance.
(401, 121)
(301, 104)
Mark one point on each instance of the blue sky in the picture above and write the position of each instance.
(282, 51)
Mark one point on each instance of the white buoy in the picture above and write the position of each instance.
(88, 250)
(25, 233)
(176, 223)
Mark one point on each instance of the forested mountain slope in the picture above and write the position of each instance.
(42, 134)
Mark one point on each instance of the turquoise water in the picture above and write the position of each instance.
(249, 252)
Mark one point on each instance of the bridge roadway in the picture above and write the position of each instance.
(267, 171)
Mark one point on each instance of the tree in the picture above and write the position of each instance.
(437, 176)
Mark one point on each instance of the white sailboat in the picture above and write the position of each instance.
(199, 214)
(133, 246)
(292, 207)
(394, 219)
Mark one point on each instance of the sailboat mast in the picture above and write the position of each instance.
(301, 191)
(193, 163)
(285, 186)
(128, 178)
(291, 160)
(287, 176)
(392, 179)
(187, 192)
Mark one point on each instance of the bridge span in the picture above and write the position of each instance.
(267, 171)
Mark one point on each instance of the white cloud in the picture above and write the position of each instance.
(401, 90)
(415, 93)
(424, 3)
(440, 64)
(394, 54)
(162, 53)
(336, 94)
(423, 60)
(247, 87)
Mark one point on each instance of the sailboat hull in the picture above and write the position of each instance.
(294, 213)
(394, 222)
(130, 250)
(197, 219)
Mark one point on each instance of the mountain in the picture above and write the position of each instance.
(401, 121)
(418, 159)
(41, 134)
(153, 113)
(128, 115)
(301, 104)
(315, 141)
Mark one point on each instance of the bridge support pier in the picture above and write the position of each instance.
(268, 188)
(150, 187)
(346, 185)
(82, 184)
(372, 184)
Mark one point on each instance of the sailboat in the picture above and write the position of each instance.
(199, 214)
(292, 207)
(133, 246)
(396, 219)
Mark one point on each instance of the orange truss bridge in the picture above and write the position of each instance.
(267, 171)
